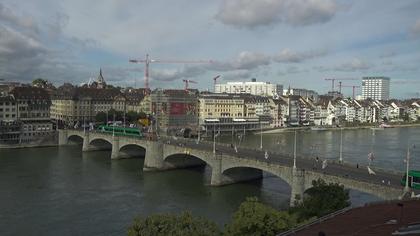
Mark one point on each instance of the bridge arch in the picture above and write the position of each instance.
(95, 140)
(184, 159)
(131, 150)
(75, 138)
(284, 173)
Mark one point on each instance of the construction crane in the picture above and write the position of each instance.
(147, 62)
(338, 79)
(215, 81)
(350, 86)
(187, 81)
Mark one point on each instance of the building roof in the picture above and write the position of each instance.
(30, 93)
(374, 219)
(77, 93)
(8, 98)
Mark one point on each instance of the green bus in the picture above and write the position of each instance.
(121, 131)
(413, 179)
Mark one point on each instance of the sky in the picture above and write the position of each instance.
(296, 43)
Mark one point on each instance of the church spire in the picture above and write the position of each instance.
(100, 80)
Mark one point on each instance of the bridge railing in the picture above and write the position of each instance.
(274, 157)
(315, 221)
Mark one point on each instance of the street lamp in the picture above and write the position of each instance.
(407, 188)
(341, 146)
(294, 153)
(214, 138)
(261, 139)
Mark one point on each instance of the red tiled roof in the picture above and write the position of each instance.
(369, 220)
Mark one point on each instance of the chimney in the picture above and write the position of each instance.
(254, 80)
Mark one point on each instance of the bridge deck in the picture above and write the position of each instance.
(350, 171)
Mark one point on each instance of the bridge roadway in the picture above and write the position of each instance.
(230, 166)
(334, 168)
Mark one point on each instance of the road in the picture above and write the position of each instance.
(352, 171)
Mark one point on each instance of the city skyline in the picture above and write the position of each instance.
(296, 43)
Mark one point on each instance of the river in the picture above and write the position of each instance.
(62, 191)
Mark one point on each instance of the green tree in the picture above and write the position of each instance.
(255, 218)
(132, 116)
(142, 115)
(170, 224)
(42, 83)
(100, 117)
(118, 115)
(321, 200)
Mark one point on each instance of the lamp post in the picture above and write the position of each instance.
(406, 187)
(261, 138)
(113, 126)
(294, 153)
(341, 146)
(214, 138)
(84, 126)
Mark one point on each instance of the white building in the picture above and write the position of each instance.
(305, 93)
(375, 88)
(253, 87)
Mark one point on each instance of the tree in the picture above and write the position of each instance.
(255, 218)
(170, 224)
(132, 116)
(321, 200)
(118, 115)
(101, 117)
(41, 83)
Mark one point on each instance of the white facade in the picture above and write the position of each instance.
(306, 93)
(254, 88)
(375, 88)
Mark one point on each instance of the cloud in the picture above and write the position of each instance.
(415, 30)
(252, 14)
(307, 12)
(30, 49)
(168, 75)
(20, 55)
(289, 56)
(10, 18)
(245, 60)
(292, 70)
(355, 65)
(238, 75)
(352, 66)
(249, 13)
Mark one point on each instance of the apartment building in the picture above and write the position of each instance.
(376, 87)
(253, 87)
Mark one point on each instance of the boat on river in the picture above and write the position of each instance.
(383, 125)
(319, 128)
(377, 128)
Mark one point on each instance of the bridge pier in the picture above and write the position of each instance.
(62, 137)
(216, 173)
(153, 159)
(115, 153)
(86, 141)
(297, 186)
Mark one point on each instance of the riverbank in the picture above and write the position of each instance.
(49, 141)
(308, 128)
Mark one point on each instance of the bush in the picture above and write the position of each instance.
(255, 218)
(321, 200)
(170, 224)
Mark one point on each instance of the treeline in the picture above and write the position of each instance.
(252, 217)
(130, 116)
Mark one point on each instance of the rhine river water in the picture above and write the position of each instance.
(62, 191)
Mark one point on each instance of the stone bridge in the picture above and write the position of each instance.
(228, 166)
